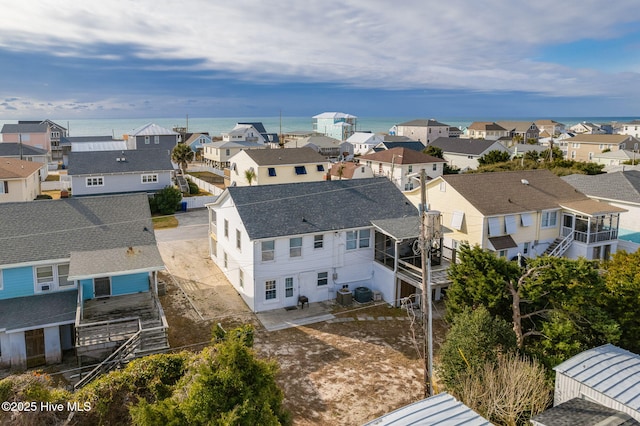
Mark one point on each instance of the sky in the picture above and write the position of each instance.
(62, 59)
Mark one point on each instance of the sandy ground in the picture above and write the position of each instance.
(344, 372)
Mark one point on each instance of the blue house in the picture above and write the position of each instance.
(78, 273)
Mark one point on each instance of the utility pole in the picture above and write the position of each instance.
(20, 139)
(425, 246)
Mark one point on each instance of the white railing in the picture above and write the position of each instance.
(562, 246)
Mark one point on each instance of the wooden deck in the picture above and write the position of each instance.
(140, 305)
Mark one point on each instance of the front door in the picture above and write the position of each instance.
(102, 287)
(567, 224)
(34, 343)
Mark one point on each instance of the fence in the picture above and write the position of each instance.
(198, 202)
(205, 185)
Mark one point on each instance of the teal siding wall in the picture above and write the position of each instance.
(87, 289)
(127, 284)
(17, 282)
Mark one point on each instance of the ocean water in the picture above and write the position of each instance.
(216, 126)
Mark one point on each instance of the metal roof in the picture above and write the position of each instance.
(152, 129)
(438, 410)
(583, 412)
(607, 369)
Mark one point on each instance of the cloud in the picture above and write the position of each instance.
(458, 44)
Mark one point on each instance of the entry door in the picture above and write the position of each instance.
(34, 342)
(102, 287)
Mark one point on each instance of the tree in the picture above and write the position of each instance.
(493, 157)
(507, 392)
(474, 339)
(434, 151)
(622, 280)
(182, 154)
(166, 201)
(250, 175)
(225, 384)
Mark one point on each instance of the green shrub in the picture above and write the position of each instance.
(166, 201)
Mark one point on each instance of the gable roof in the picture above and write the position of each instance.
(402, 156)
(334, 115)
(506, 193)
(194, 137)
(152, 129)
(412, 145)
(423, 123)
(321, 141)
(465, 146)
(271, 211)
(623, 186)
(364, 137)
(51, 229)
(92, 162)
(237, 144)
(40, 127)
(46, 121)
(485, 125)
(12, 149)
(256, 125)
(13, 168)
(609, 370)
(441, 409)
(518, 126)
(619, 154)
(586, 138)
(274, 157)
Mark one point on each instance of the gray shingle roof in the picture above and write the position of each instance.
(100, 263)
(267, 157)
(92, 162)
(423, 123)
(11, 149)
(583, 412)
(52, 229)
(413, 145)
(30, 311)
(270, 211)
(623, 186)
(462, 145)
(25, 128)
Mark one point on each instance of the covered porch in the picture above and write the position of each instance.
(592, 227)
(397, 248)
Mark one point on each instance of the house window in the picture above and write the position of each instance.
(318, 241)
(549, 219)
(443, 186)
(573, 154)
(150, 178)
(55, 135)
(63, 275)
(410, 168)
(288, 287)
(525, 219)
(226, 228)
(525, 248)
(301, 170)
(225, 259)
(238, 239)
(591, 156)
(95, 181)
(323, 278)
(434, 167)
(4, 187)
(241, 277)
(359, 238)
(456, 219)
(510, 224)
(102, 287)
(270, 289)
(295, 247)
(146, 140)
(494, 226)
(44, 274)
(227, 152)
(268, 250)
(502, 253)
(320, 168)
(272, 171)
(156, 139)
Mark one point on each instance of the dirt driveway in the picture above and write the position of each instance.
(343, 372)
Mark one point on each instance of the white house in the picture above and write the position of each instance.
(278, 242)
(587, 128)
(363, 142)
(251, 132)
(464, 153)
(424, 131)
(403, 165)
(631, 128)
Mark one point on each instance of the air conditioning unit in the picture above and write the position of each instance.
(45, 287)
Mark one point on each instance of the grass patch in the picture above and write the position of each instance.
(164, 222)
(55, 194)
(208, 177)
(52, 178)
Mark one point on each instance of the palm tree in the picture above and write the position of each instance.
(182, 154)
(250, 175)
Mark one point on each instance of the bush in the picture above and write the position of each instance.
(44, 197)
(166, 201)
(193, 188)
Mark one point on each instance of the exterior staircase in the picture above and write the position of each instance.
(559, 246)
(182, 184)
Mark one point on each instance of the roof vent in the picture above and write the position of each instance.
(524, 181)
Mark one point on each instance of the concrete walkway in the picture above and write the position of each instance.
(279, 319)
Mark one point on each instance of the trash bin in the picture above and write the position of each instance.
(183, 206)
